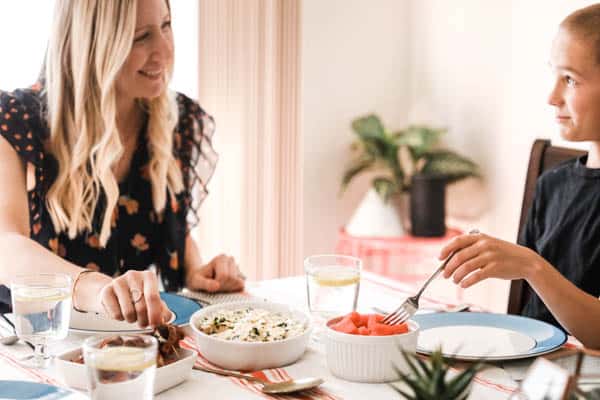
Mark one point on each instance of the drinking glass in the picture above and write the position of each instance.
(332, 285)
(42, 310)
(121, 366)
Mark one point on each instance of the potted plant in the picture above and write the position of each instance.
(429, 379)
(402, 158)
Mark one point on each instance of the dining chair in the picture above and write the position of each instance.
(543, 157)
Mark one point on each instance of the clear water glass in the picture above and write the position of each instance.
(121, 366)
(332, 285)
(42, 311)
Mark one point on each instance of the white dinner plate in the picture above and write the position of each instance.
(472, 335)
(25, 390)
(89, 323)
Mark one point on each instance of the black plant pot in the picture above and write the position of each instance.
(428, 205)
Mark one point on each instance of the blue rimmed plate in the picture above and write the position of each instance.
(88, 323)
(495, 337)
(24, 390)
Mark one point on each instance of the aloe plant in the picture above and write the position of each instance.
(428, 379)
(399, 155)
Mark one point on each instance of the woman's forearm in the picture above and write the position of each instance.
(576, 310)
(21, 255)
(192, 258)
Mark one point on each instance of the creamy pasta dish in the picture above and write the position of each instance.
(251, 325)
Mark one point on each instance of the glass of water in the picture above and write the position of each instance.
(42, 310)
(121, 366)
(332, 284)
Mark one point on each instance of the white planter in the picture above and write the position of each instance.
(374, 217)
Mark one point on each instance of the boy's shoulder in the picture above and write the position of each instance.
(558, 174)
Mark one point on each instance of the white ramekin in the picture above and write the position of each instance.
(368, 358)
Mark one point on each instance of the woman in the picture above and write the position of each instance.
(98, 165)
(559, 255)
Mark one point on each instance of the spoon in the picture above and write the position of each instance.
(290, 386)
(9, 340)
(12, 339)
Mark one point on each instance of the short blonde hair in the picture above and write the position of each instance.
(90, 42)
(585, 22)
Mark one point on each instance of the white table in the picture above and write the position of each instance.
(491, 384)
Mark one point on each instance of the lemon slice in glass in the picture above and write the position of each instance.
(41, 294)
(123, 358)
(336, 278)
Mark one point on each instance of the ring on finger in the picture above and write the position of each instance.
(136, 295)
(474, 232)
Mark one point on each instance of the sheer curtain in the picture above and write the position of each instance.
(249, 80)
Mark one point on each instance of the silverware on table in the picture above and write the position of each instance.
(289, 386)
(462, 307)
(9, 340)
(12, 339)
(410, 306)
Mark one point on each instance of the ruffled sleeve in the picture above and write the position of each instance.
(16, 117)
(192, 147)
(193, 144)
(22, 125)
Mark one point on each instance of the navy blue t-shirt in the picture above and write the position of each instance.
(563, 226)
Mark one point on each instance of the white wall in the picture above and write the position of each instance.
(476, 67)
(461, 76)
(25, 35)
(354, 61)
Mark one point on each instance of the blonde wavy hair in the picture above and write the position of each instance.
(89, 44)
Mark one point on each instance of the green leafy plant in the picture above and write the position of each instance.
(428, 379)
(399, 155)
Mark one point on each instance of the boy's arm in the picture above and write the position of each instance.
(479, 257)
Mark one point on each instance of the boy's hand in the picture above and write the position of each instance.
(478, 257)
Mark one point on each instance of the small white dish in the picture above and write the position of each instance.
(181, 307)
(368, 359)
(251, 356)
(99, 323)
(74, 374)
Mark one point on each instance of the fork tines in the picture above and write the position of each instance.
(401, 314)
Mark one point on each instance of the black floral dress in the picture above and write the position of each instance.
(139, 236)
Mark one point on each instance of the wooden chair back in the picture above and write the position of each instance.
(543, 156)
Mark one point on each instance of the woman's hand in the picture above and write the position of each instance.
(478, 257)
(220, 275)
(133, 297)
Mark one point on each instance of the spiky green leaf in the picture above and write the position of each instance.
(434, 383)
(419, 373)
(404, 394)
(424, 366)
(458, 384)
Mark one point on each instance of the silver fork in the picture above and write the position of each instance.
(411, 305)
